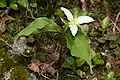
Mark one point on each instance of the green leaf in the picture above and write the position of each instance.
(97, 59)
(79, 61)
(33, 3)
(110, 76)
(70, 63)
(39, 25)
(59, 13)
(14, 6)
(105, 23)
(78, 12)
(93, 15)
(80, 73)
(40, 55)
(108, 66)
(81, 48)
(23, 3)
(84, 29)
(69, 39)
(2, 4)
(65, 22)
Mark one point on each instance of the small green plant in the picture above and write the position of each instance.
(75, 34)
(105, 23)
(14, 3)
(109, 75)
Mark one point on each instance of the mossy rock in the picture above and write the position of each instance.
(19, 73)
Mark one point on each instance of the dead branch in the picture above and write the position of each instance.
(5, 42)
(115, 23)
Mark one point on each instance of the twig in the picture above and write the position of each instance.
(24, 55)
(57, 76)
(45, 66)
(31, 14)
(29, 10)
(115, 26)
(114, 23)
(45, 76)
(5, 42)
(117, 17)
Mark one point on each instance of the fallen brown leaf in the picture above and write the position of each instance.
(34, 67)
(2, 26)
(37, 66)
(2, 22)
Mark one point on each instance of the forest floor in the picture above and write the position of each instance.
(25, 66)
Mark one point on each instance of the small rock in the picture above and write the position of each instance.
(19, 46)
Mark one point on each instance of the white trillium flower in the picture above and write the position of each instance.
(73, 23)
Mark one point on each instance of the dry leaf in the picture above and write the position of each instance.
(34, 67)
(37, 66)
(2, 26)
(2, 22)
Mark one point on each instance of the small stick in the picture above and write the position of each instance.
(43, 74)
(5, 42)
(115, 26)
(117, 17)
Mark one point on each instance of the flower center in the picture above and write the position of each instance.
(73, 22)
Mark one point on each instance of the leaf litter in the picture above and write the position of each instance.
(2, 22)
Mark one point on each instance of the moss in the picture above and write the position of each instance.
(19, 73)
(6, 62)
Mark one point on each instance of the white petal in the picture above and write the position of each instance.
(84, 19)
(73, 29)
(67, 13)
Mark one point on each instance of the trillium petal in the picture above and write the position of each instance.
(84, 19)
(73, 29)
(67, 13)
